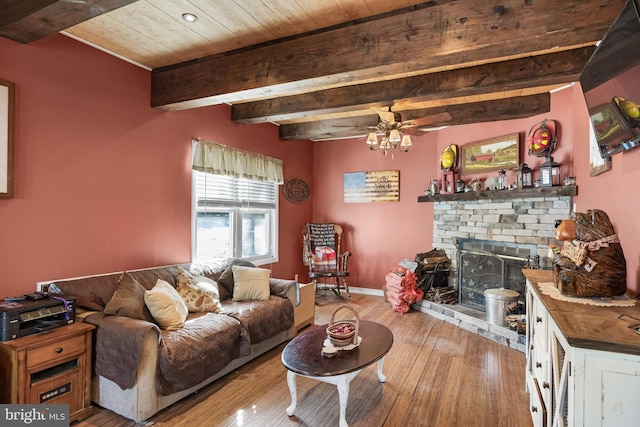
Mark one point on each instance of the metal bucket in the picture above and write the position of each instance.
(497, 301)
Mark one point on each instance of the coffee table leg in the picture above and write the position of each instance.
(291, 381)
(343, 394)
(381, 376)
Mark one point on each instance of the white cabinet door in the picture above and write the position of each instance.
(612, 390)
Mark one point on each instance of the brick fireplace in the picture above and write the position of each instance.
(522, 220)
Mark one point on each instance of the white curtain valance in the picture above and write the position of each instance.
(213, 157)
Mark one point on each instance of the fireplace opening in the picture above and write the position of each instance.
(484, 264)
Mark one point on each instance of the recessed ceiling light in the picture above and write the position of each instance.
(189, 17)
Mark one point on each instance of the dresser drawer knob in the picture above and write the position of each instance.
(59, 350)
(538, 365)
(534, 409)
(545, 384)
(538, 319)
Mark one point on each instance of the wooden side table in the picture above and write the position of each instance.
(305, 313)
(50, 367)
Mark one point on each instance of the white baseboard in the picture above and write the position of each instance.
(366, 291)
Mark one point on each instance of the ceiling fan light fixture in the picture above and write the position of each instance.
(394, 137)
(385, 145)
(390, 126)
(372, 141)
(406, 143)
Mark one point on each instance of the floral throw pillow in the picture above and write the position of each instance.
(199, 293)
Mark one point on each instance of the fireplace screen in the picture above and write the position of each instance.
(486, 265)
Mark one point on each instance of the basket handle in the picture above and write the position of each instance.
(355, 313)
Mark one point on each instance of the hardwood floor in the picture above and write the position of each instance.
(437, 375)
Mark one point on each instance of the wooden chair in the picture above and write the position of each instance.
(321, 253)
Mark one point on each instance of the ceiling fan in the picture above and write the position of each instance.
(390, 125)
(390, 120)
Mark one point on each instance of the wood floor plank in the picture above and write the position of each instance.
(437, 375)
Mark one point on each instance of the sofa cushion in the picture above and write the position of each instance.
(261, 319)
(128, 300)
(211, 269)
(226, 278)
(203, 347)
(250, 283)
(166, 306)
(148, 277)
(92, 293)
(198, 292)
(280, 287)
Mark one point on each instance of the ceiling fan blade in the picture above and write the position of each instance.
(414, 131)
(432, 120)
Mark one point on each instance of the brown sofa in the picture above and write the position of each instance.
(141, 368)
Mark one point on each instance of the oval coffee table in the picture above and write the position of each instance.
(302, 356)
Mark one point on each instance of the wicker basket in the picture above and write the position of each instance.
(339, 338)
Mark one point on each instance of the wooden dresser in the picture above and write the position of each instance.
(51, 367)
(583, 361)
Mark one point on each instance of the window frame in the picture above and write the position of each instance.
(236, 214)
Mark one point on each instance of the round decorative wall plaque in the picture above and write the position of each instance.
(296, 190)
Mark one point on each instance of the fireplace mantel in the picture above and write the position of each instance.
(566, 190)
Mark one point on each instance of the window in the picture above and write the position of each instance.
(234, 218)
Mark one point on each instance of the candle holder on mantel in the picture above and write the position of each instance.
(524, 176)
(448, 182)
(549, 173)
(448, 163)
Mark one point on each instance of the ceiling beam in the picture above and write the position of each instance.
(26, 21)
(536, 71)
(441, 34)
(450, 115)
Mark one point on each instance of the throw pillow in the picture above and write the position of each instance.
(226, 278)
(199, 293)
(166, 306)
(128, 300)
(250, 283)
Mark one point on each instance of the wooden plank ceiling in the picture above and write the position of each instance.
(321, 69)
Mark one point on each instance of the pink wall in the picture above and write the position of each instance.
(379, 235)
(103, 180)
(382, 234)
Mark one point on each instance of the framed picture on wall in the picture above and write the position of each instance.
(502, 152)
(7, 123)
(373, 186)
(597, 164)
(608, 124)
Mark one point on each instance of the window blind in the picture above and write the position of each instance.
(227, 191)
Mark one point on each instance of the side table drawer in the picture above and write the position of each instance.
(51, 353)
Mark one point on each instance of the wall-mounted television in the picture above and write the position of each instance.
(611, 84)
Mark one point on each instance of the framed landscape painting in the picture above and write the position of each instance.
(502, 152)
